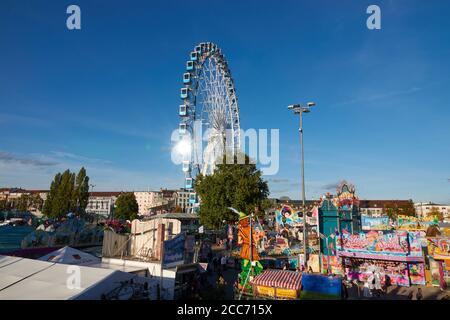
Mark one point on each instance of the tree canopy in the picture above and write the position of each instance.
(393, 210)
(126, 207)
(67, 194)
(435, 212)
(231, 185)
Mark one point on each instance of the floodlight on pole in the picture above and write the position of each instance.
(299, 109)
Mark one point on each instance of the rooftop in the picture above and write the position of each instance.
(175, 215)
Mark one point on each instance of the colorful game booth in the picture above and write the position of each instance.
(359, 246)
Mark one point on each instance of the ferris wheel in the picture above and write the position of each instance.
(209, 114)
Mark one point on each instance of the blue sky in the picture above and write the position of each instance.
(106, 96)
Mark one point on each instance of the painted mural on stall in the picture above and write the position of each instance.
(439, 248)
(397, 243)
(413, 223)
(374, 223)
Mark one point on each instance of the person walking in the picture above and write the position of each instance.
(221, 283)
(378, 288)
(371, 282)
(366, 290)
(215, 263)
(387, 283)
(419, 295)
(210, 256)
(344, 290)
(410, 295)
(223, 263)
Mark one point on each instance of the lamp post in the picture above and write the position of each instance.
(299, 109)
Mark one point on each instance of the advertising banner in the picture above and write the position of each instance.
(398, 243)
(375, 223)
(287, 217)
(174, 250)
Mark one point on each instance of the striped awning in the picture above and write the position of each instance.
(279, 278)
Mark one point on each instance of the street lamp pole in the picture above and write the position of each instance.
(299, 109)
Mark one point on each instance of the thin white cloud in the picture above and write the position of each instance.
(36, 171)
(78, 158)
(378, 96)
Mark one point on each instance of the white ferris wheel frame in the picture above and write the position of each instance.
(210, 97)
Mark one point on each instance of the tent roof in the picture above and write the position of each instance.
(279, 278)
(68, 255)
(27, 279)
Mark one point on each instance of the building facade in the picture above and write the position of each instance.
(182, 200)
(10, 198)
(149, 200)
(101, 203)
(376, 208)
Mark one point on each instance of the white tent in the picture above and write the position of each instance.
(68, 255)
(27, 279)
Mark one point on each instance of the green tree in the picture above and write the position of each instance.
(3, 205)
(63, 201)
(36, 201)
(23, 202)
(408, 209)
(392, 210)
(126, 207)
(68, 193)
(51, 196)
(178, 209)
(231, 185)
(435, 212)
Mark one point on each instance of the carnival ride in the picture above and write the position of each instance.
(209, 112)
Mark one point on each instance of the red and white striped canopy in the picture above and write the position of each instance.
(279, 278)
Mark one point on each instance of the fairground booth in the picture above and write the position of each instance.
(337, 214)
(396, 255)
(358, 246)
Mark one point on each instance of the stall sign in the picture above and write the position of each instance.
(286, 293)
(265, 291)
